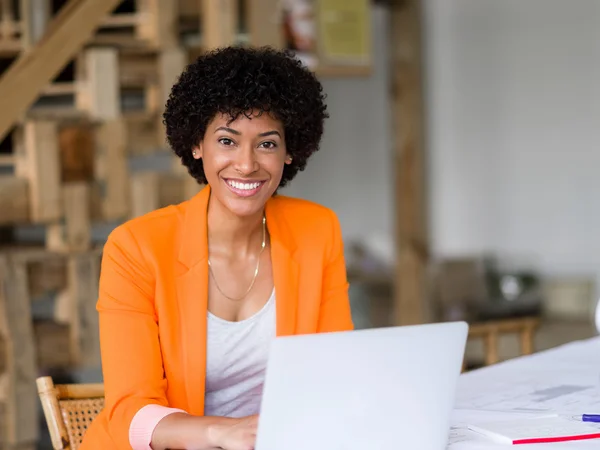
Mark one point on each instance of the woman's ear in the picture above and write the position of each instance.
(197, 151)
(288, 159)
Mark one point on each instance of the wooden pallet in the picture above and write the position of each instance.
(57, 167)
(70, 165)
(139, 25)
(25, 273)
(103, 83)
(68, 176)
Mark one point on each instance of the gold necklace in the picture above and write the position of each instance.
(255, 270)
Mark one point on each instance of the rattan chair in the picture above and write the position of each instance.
(69, 410)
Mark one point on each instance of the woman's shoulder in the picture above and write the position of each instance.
(307, 210)
(306, 218)
(156, 228)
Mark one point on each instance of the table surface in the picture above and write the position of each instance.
(562, 380)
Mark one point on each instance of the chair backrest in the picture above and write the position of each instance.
(69, 409)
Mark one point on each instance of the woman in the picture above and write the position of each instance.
(191, 295)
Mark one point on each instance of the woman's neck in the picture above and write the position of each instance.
(232, 236)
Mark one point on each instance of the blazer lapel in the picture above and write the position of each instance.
(192, 299)
(285, 269)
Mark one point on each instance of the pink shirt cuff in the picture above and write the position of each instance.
(144, 422)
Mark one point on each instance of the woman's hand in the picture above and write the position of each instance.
(235, 434)
(184, 431)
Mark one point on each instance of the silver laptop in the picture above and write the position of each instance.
(382, 388)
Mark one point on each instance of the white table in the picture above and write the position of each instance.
(563, 380)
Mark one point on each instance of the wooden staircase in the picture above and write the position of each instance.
(27, 77)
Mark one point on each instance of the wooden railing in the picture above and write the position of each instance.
(31, 73)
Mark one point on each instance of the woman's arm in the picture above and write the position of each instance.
(335, 312)
(131, 357)
(183, 431)
(134, 381)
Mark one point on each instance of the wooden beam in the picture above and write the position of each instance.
(411, 237)
(76, 306)
(219, 23)
(25, 79)
(98, 91)
(264, 23)
(35, 15)
(73, 234)
(84, 272)
(145, 192)
(171, 63)
(160, 25)
(37, 160)
(17, 383)
(14, 200)
(111, 169)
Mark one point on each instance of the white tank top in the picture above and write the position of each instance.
(236, 359)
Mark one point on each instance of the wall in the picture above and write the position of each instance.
(352, 173)
(514, 114)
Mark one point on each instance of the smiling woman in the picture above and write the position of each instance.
(243, 160)
(192, 295)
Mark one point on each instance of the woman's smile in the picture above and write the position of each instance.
(244, 188)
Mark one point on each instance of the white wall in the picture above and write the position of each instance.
(352, 173)
(514, 130)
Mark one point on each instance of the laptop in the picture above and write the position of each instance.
(383, 388)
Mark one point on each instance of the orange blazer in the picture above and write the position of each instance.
(152, 303)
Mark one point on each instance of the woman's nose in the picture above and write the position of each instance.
(246, 161)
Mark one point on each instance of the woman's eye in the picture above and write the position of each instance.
(226, 141)
(268, 145)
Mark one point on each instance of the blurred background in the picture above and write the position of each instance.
(461, 157)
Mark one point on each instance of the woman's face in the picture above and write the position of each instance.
(243, 160)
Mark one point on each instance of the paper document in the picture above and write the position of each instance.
(560, 382)
(459, 432)
(539, 430)
(523, 394)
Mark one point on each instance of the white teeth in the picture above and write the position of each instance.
(243, 186)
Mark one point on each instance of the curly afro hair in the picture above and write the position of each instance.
(234, 81)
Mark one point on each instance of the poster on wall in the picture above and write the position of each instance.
(344, 32)
(328, 33)
(300, 30)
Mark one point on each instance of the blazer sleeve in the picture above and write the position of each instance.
(131, 357)
(335, 314)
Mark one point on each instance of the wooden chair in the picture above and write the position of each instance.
(69, 410)
(491, 331)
